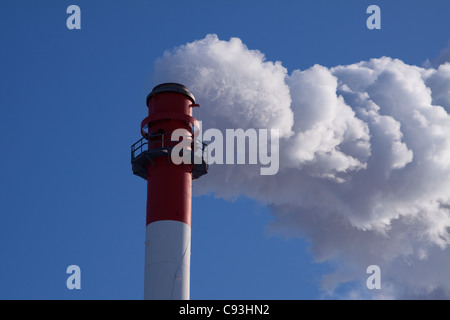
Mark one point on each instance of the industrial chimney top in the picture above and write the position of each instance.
(169, 162)
(171, 87)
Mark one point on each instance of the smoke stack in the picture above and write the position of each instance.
(169, 191)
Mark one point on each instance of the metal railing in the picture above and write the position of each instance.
(157, 141)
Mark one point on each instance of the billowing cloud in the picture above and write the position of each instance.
(364, 158)
(236, 86)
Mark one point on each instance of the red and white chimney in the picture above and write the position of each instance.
(169, 191)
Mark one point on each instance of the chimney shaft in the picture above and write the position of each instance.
(169, 192)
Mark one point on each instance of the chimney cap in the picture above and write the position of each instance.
(171, 87)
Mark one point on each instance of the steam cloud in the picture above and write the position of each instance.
(364, 158)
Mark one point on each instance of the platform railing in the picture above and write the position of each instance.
(158, 141)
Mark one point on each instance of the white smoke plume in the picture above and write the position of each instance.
(364, 158)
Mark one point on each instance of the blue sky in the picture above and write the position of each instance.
(71, 102)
